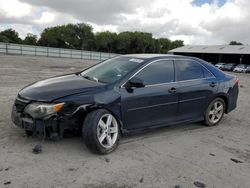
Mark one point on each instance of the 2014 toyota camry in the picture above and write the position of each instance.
(125, 94)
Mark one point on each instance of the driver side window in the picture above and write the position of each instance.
(159, 72)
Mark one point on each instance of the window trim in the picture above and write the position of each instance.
(122, 86)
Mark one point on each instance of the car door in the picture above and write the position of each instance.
(196, 88)
(156, 102)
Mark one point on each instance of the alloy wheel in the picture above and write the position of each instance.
(107, 131)
(216, 112)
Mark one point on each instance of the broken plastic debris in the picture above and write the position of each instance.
(236, 160)
(37, 149)
(199, 184)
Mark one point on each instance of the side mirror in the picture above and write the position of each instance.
(135, 82)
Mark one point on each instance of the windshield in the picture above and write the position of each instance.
(111, 70)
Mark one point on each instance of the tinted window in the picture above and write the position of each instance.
(189, 70)
(207, 73)
(157, 73)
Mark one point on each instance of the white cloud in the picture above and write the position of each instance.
(179, 19)
(47, 17)
(99, 28)
(14, 8)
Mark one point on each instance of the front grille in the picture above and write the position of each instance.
(20, 104)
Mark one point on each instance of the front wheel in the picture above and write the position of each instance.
(214, 112)
(101, 131)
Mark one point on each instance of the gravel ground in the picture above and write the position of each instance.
(170, 157)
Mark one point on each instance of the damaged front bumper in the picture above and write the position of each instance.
(52, 127)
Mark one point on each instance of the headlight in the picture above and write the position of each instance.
(39, 110)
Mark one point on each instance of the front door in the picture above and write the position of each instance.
(154, 104)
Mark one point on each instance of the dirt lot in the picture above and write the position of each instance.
(178, 155)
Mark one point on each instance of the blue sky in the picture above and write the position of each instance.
(201, 2)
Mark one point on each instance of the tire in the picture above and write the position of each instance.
(101, 132)
(214, 112)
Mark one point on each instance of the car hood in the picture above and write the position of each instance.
(57, 87)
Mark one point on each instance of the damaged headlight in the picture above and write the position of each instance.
(39, 110)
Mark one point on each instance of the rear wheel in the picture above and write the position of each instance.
(101, 131)
(214, 112)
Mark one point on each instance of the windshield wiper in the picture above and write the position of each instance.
(93, 79)
(88, 78)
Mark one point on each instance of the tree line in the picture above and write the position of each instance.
(81, 37)
(235, 43)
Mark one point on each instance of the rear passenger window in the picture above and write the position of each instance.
(189, 70)
(157, 73)
(207, 74)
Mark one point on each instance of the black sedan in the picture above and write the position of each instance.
(125, 94)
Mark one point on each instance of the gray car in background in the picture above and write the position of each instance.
(229, 67)
(240, 68)
(220, 65)
(248, 69)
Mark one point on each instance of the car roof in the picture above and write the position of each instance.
(153, 56)
(149, 57)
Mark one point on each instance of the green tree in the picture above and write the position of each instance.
(123, 43)
(50, 37)
(135, 42)
(30, 39)
(3, 38)
(235, 43)
(176, 44)
(141, 42)
(85, 36)
(10, 35)
(60, 36)
(164, 45)
(75, 36)
(81, 36)
(105, 41)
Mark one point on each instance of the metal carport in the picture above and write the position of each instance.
(216, 53)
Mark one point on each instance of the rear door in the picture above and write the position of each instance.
(154, 104)
(196, 88)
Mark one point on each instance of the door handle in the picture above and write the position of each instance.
(213, 84)
(172, 90)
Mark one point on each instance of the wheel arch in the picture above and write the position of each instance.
(225, 99)
(81, 115)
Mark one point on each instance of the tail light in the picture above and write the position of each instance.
(237, 82)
